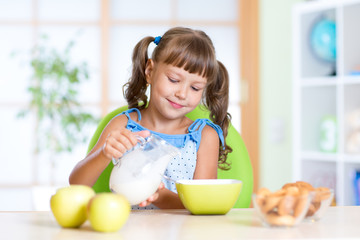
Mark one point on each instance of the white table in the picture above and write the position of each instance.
(338, 222)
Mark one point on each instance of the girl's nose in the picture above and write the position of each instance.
(181, 92)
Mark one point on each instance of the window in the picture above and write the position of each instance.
(105, 32)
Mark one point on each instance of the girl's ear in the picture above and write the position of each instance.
(149, 70)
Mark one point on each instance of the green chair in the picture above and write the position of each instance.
(241, 168)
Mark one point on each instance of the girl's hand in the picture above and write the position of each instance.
(119, 141)
(153, 197)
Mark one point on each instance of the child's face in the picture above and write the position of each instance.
(174, 91)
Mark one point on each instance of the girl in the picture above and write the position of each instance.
(182, 73)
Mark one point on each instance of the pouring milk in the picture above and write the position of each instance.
(137, 174)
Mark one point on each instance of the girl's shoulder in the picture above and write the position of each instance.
(116, 121)
(209, 130)
(122, 119)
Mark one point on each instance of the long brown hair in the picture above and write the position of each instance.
(193, 51)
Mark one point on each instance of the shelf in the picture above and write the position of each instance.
(319, 156)
(352, 158)
(330, 81)
(327, 97)
(330, 157)
(349, 80)
(319, 81)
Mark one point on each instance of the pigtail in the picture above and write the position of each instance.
(135, 88)
(217, 101)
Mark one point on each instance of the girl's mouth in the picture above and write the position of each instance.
(175, 105)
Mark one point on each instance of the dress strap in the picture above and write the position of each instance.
(127, 113)
(200, 123)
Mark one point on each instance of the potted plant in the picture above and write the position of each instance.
(53, 89)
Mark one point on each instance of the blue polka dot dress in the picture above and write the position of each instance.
(182, 166)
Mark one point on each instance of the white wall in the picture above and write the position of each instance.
(275, 93)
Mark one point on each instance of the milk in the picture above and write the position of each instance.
(138, 190)
(138, 175)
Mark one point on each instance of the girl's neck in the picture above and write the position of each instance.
(156, 122)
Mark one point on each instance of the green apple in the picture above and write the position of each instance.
(68, 205)
(108, 212)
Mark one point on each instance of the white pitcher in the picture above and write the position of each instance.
(137, 174)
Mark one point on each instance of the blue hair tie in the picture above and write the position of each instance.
(157, 40)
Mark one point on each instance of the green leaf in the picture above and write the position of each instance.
(53, 89)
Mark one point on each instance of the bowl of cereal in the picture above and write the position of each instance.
(321, 201)
(282, 208)
(322, 198)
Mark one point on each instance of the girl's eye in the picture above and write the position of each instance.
(172, 80)
(195, 89)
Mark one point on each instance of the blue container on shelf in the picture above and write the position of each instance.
(357, 187)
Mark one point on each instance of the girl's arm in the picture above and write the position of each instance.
(113, 142)
(206, 168)
(208, 155)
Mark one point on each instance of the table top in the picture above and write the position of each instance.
(338, 222)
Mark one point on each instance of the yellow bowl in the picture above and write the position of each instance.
(208, 196)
